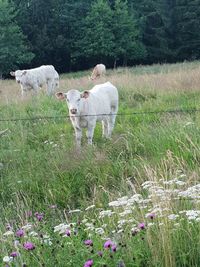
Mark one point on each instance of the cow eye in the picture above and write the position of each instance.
(79, 99)
(67, 99)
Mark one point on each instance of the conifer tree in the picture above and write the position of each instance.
(126, 34)
(97, 40)
(186, 29)
(13, 48)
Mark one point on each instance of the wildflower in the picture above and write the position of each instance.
(29, 246)
(8, 227)
(99, 231)
(141, 226)
(114, 248)
(7, 259)
(27, 227)
(61, 228)
(20, 233)
(173, 216)
(150, 215)
(14, 254)
(100, 253)
(39, 216)
(8, 233)
(88, 242)
(104, 213)
(68, 233)
(29, 213)
(108, 244)
(33, 233)
(53, 206)
(88, 263)
(134, 231)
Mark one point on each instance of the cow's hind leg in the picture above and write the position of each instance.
(105, 127)
(112, 119)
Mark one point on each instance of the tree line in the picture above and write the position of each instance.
(75, 35)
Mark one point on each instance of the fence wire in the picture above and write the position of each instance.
(175, 111)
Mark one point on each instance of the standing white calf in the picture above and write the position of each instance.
(36, 78)
(101, 102)
(98, 71)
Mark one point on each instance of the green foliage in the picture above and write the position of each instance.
(40, 167)
(127, 46)
(185, 17)
(97, 40)
(13, 48)
(75, 35)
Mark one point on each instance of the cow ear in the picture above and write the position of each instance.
(60, 95)
(24, 72)
(85, 94)
(12, 73)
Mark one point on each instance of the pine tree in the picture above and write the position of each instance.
(13, 48)
(126, 35)
(186, 29)
(96, 42)
(153, 30)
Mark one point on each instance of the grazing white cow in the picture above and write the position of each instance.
(36, 78)
(98, 71)
(101, 102)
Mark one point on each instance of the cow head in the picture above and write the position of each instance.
(74, 100)
(18, 74)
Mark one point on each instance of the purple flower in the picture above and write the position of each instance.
(141, 226)
(68, 233)
(108, 244)
(39, 216)
(29, 246)
(88, 263)
(88, 242)
(114, 248)
(29, 213)
(151, 216)
(20, 233)
(14, 254)
(135, 231)
(100, 253)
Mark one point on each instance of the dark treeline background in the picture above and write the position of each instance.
(75, 35)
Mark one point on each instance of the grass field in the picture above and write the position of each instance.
(129, 201)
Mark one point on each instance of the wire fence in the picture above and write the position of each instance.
(172, 111)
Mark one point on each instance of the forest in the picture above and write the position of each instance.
(76, 35)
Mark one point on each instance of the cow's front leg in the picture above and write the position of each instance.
(78, 133)
(90, 132)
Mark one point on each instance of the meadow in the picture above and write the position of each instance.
(130, 201)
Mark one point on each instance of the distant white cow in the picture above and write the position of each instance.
(36, 78)
(101, 102)
(98, 71)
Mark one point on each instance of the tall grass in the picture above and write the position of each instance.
(40, 167)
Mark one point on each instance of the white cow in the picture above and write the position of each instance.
(36, 78)
(88, 107)
(98, 71)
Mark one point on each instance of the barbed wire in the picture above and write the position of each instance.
(193, 110)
